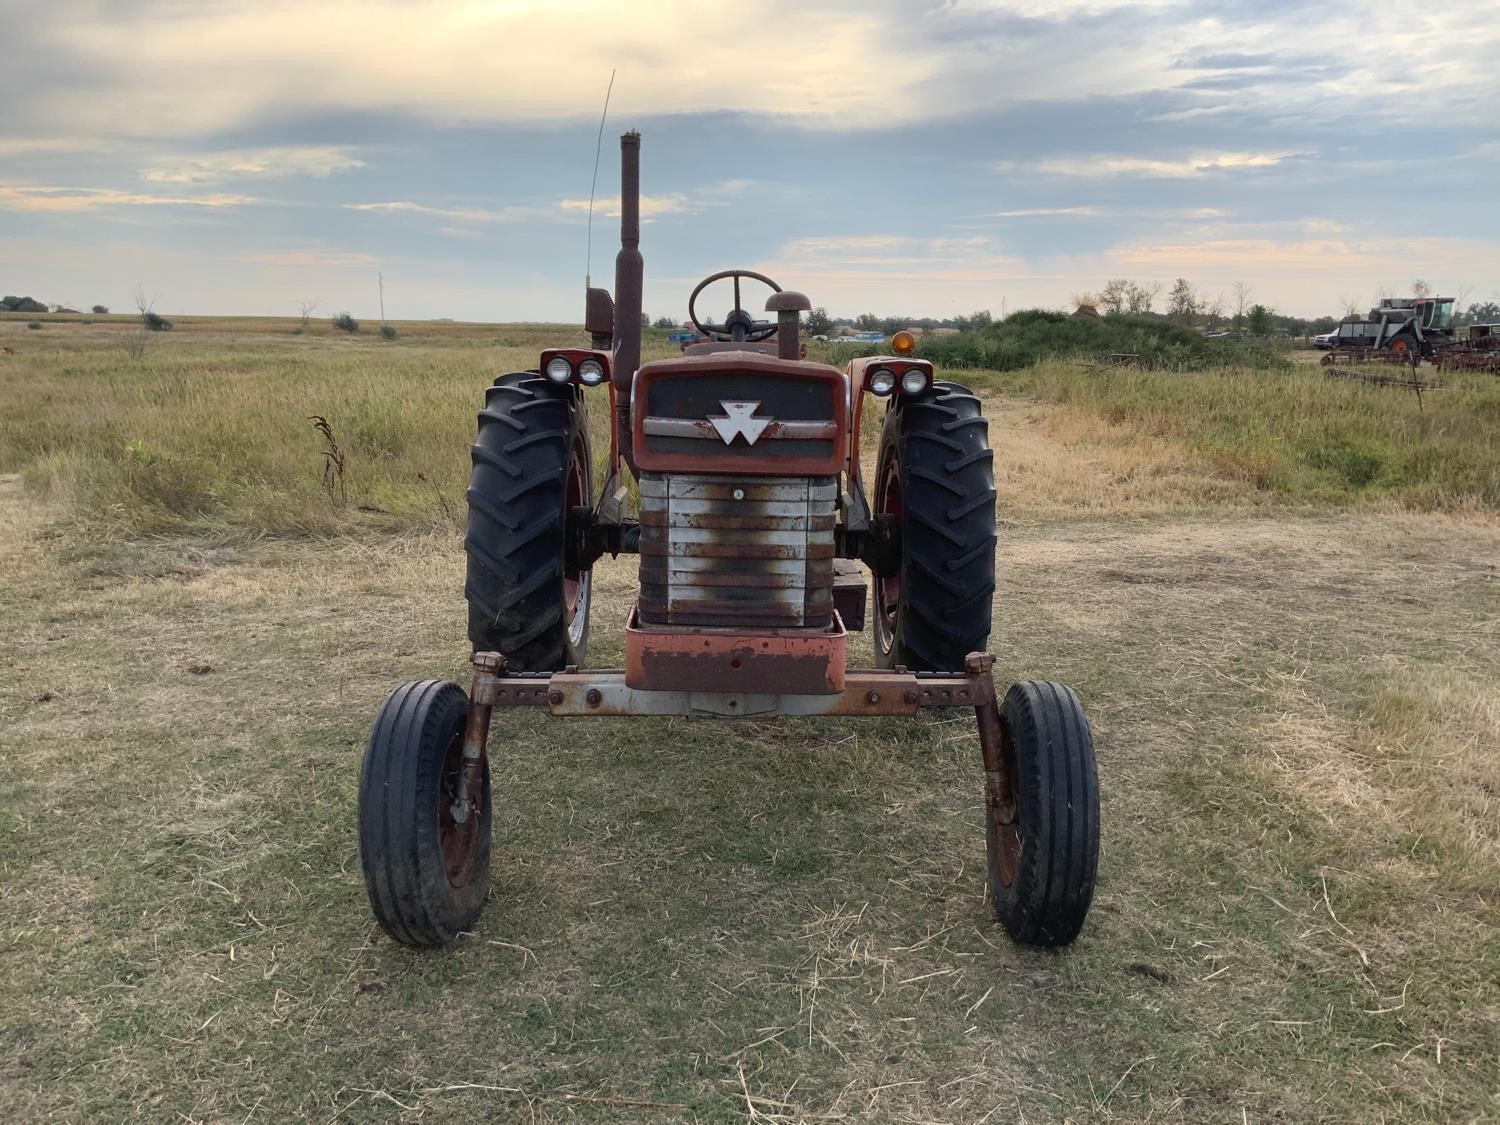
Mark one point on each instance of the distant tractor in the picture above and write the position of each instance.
(754, 513)
(1406, 329)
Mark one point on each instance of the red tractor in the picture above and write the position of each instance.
(753, 517)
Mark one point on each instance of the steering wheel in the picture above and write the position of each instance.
(739, 325)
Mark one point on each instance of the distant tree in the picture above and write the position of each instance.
(1241, 291)
(345, 323)
(1182, 302)
(1420, 288)
(305, 309)
(1214, 311)
(1140, 298)
(981, 319)
(867, 322)
(645, 319)
(9, 303)
(1258, 321)
(24, 304)
(818, 323)
(664, 322)
(151, 320)
(1114, 296)
(1350, 306)
(1483, 312)
(100, 310)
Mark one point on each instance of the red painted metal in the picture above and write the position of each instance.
(740, 363)
(606, 693)
(796, 661)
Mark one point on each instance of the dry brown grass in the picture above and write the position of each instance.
(1296, 920)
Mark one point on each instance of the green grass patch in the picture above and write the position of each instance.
(1293, 432)
(1031, 336)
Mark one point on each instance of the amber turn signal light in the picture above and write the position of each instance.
(903, 342)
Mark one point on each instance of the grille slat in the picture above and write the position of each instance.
(762, 558)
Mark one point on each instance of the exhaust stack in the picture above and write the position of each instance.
(629, 278)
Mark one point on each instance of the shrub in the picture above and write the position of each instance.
(387, 332)
(1031, 335)
(345, 323)
(100, 310)
(33, 324)
(155, 321)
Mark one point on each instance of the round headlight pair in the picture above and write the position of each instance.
(590, 371)
(883, 381)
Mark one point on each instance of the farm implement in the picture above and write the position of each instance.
(754, 527)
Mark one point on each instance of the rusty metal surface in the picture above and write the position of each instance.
(697, 388)
(737, 552)
(604, 693)
(630, 272)
(850, 592)
(804, 661)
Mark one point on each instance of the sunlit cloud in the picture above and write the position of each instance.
(1046, 212)
(312, 259)
(1199, 164)
(450, 214)
(651, 205)
(36, 197)
(254, 164)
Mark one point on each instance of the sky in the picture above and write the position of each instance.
(901, 157)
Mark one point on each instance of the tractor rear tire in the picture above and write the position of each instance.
(1042, 860)
(935, 474)
(425, 873)
(532, 467)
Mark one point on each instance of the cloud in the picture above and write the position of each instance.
(450, 214)
(25, 146)
(1044, 212)
(255, 164)
(36, 197)
(1199, 164)
(321, 259)
(651, 205)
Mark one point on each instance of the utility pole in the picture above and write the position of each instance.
(381, 277)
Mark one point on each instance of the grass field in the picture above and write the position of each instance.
(1292, 676)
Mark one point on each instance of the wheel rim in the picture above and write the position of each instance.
(459, 840)
(1004, 824)
(576, 583)
(888, 589)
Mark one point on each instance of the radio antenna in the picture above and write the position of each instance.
(588, 266)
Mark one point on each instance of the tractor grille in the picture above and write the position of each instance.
(737, 551)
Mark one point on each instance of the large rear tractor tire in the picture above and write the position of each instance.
(532, 468)
(1043, 848)
(934, 475)
(426, 860)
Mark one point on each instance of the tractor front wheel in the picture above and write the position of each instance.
(1042, 842)
(934, 478)
(425, 852)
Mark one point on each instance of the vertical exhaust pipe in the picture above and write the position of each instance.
(629, 278)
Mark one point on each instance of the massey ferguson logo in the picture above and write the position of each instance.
(738, 419)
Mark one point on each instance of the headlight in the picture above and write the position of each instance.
(559, 370)
(914, 382)
(882, 381)
(591, 372)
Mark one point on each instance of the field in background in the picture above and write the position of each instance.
(210, 429)
(1291, 667)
